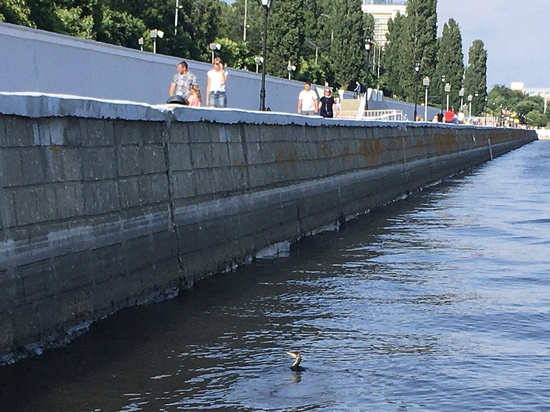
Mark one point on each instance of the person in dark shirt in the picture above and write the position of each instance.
(327, 104)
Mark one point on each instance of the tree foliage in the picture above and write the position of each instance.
(450, 61)
(396, 39)
(420, 44)
(16, 12)
(506, 105)
(347, 51)
(286, 35)
(475, 77)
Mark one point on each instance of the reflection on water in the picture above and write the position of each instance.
(437, 302)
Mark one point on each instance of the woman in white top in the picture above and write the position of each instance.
(215, 85)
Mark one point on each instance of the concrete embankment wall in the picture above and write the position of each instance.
(108, 204)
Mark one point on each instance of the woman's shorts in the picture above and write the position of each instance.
(217, 99)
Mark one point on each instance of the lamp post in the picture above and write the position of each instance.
(332, 30)
(368, 45)
(461, 95)
(290, 69)
(426, 83)
(140, 42)
(470, 97)
(447, 90)
(417, 70)
(214, 46)
(244, 22)
(267, 5)
(442, 90)
(258, 60)
(176, 17)
(154, 34)
(316, 50)
(485, 110)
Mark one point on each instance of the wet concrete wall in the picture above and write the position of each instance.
(109, 204)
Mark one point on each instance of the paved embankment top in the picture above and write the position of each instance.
(36, 105)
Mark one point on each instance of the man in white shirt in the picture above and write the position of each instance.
(307, 101)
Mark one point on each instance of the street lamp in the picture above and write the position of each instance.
(316, 50)
(332, 30)
(176, 17)
(417, 70)
(214, 46)
(154, 34)
(140, 42)
(368, 45)
(447, 90)
(267, 5)
(470, 97)
(426, 83)
(485, 110)
(244, 22)
(258, 60)
(290, 69)
(442, 90)
(461, 95)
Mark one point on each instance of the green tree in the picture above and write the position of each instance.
(15, 12)
(419, 45)
(450, 60)
(118, 27)
(347, 50)
(396, 39)
(286, 35)
(475, 77)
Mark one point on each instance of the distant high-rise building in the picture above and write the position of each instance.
(383, 11)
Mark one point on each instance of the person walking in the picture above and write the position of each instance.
(215, 85)
(182, 81)
(307, 101)
(357, 90)
(327, 104)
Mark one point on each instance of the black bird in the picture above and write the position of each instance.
(296, 365)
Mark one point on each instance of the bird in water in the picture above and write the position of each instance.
(296, 365)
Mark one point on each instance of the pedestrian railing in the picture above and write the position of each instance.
(388, 115)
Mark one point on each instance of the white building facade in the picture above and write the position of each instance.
(383, 11)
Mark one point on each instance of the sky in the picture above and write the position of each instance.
(516, 35)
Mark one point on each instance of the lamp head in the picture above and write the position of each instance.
(417, 67)
(266, 3)
(368, 43)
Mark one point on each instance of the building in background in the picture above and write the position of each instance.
(383, 11)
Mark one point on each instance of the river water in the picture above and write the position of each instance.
(439, 302)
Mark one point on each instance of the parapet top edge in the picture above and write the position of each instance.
(40, 105)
